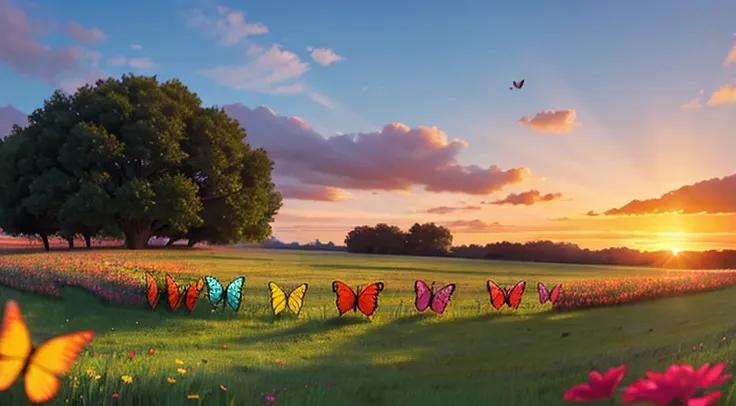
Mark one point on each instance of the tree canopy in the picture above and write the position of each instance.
(421, 239)
(136, 157)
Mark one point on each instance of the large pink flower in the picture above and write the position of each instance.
(679, 382)
(599, 387)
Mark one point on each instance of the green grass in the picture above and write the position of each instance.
(473, 355)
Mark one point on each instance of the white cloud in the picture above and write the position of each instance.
(230, 26)
(324, 56)
(136, 47)
(265, 74)
(692, 104)
(137, 63)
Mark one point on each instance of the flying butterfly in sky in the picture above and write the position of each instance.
(294, 300)
(511, 296)
(231, 295)
(428, 298)
(548, 295)
(42, 366)
(174, 295)
(365, 300)
(517, 85)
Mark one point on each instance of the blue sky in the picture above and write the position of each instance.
(625, 68)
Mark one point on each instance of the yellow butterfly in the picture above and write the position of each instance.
(294, 300)
(41, 365)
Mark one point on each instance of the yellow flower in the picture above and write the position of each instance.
(180, 362)
(181, 371)
(195, 396)
(90, 372)
(97, 377)
(127, 378)
(171, 380)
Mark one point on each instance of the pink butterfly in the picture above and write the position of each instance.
(548, 296)
(428, 298)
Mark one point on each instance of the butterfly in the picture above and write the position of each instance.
(428, 298)
(510, 296)
(42, 365)
(174, 295)
(517, 85)
(548, 296)
(232, 294)
(365, 300)
(294, 300)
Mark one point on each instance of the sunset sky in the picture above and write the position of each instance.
(401, 112)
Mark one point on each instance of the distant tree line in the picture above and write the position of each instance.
(134, 158)
(433, 240)
(426, 239)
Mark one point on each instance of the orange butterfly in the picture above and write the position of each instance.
(174, 295)
(41, 365)
(366, 300)
(511, 296)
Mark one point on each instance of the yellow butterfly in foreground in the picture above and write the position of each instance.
(294, 300)
(41, 365)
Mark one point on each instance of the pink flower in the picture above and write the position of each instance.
(599, 387)
(679, 382)
(269, 398)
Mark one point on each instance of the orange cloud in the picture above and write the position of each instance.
(448, 209)
(311, 192)
(692, 104)
(395, 158)
(560, 121)
(726, 94)
(475, 226)
(527, 198)
(731, 58)
(717, 195)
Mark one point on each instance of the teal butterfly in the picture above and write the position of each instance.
(232, 294)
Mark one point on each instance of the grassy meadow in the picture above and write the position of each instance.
(472, 355)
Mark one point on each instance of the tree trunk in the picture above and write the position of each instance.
(136, 236)
(191, 243)
(171, 241)
(70, 241)
(45, 239)
(88, 240)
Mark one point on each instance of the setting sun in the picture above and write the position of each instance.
(675, 251)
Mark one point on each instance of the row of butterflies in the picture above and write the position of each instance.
(365, 299)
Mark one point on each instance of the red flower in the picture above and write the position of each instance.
(599, 387)
(131, 354)
(115, 395)
(679, 382)
(151, 351)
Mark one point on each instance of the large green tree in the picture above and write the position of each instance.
(142, 157)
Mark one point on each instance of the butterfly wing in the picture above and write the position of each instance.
(52, 359)
(521, 84)
(296, 298)
(555, 293)
(346, 297)
(543, 294)
(498, 295)
(515, 295)
(173, 294)
(234, 293)
(15, 345)
(442, 298)
(278, 298)
(192, 296)
(152, 293)
(215, 290)
(424, 295)
(368, 298)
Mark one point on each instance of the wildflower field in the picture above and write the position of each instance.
(471, 355)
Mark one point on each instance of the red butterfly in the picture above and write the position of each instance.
(510, 296)
(365, 300)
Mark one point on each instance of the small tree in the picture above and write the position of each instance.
(429, 239)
